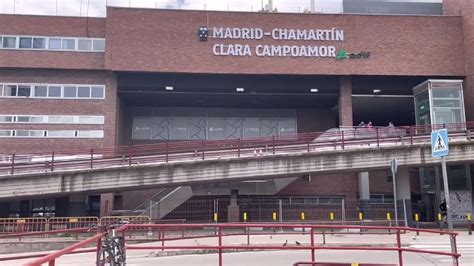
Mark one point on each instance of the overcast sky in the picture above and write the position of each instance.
(97, 7)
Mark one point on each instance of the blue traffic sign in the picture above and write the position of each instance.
(439, 143)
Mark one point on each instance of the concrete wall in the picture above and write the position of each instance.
(224, 170)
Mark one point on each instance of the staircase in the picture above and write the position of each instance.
(165, 201)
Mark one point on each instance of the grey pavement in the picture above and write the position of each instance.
(288, 257)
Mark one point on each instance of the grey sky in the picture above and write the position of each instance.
(97, 7)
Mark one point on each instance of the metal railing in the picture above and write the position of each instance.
(308, 230)
(179, 151)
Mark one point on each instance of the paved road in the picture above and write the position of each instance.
(465, 248)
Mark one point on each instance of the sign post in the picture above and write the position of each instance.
(440, 148)
(394, 168)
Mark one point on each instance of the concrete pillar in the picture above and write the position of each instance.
(233, 210)
(4, 209)
(364, 195)
(364, 186)
(404, 193)
(77, 205)
(106, 204)
(345, 102)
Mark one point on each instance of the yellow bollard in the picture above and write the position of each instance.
(440, 221)
(354, 264)
(302, 216)
(388, 216)
(417, 219)
(469, 225)
(245, 217)
(331, 216)
(361, 216)
(440, 217)
(215, 217)
(274, 216)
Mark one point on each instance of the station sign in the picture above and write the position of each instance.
(307, 38)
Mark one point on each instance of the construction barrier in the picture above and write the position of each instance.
(20, 225)
(106, 220)
(59, 223)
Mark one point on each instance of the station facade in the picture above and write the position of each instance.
(143, 76)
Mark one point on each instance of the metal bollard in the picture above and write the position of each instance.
(389, 219)
(417, 220)
(215, 221)
(361, 217)
(331, 217)
(469, 224)
(440, 221)
(302, 220)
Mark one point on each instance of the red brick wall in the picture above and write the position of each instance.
(400, 45)
(13, 106)
(465, 8)
(51, 26)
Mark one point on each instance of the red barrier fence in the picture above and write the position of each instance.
(121, 156)
(310, 230)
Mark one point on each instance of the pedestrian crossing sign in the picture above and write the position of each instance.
(439, 143)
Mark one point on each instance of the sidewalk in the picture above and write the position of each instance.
(367, 240)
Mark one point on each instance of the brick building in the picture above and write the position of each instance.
(142, 76)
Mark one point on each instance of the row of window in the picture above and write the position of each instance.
(53, 43)
(67, 91)
(11, 133)
(52, 119)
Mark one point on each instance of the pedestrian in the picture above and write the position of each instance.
(362, 124)
(369, 125)
(443, 208)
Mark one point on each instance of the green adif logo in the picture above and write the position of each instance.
(342, 54)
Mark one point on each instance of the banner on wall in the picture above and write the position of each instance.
(461, 204)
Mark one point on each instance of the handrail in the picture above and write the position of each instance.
(220, 246)
(165, 152)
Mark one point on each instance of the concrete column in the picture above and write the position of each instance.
(345, 102)
(364, 195)
(106, 204)
(404, 193)
(77, 205)
(364, 187)
(233, 211)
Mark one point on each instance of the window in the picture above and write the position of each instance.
(83, 92)
(22, 133)
(99, 45)
(84, 45)
(5, 133)
(6, 119)
(98, 120)
(39, 43)
(23, 119)
(37, 133)
(55, 43)
(90, 134)
(41, 91)
(10, 90)
(24, 91)
(68, 119)
(85, 120)
(70, 91)
(55, 119)
(54, 91)
(26, 42)
(97, 92)
(9, 42)
(69, 44)
(37, 119)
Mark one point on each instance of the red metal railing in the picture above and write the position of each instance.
(310, 230)
(214, 149)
